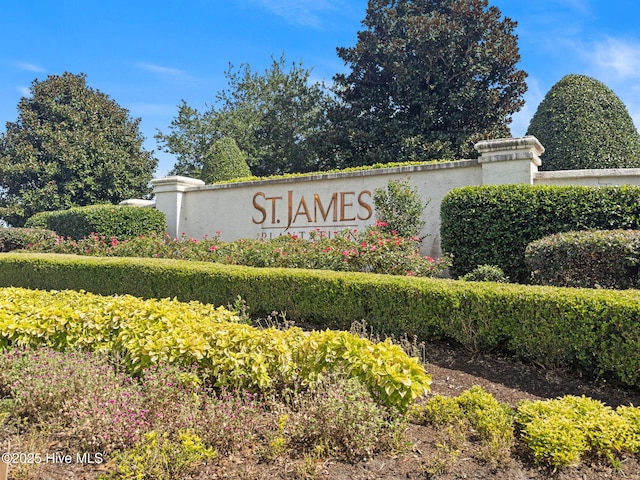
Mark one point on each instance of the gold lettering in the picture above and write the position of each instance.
(260, 208)
(317, 205)
(343, 205)
(273, 208)
(305, 210)
(365, 205)
(289, 209)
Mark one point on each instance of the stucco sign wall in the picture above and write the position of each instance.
(329, 203)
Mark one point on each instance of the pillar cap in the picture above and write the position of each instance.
(528, 142)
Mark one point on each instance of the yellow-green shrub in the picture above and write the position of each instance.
(491, 421)
(561, 432)
(233, 354)
(158, 456)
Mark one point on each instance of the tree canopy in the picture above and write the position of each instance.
(427, 79)
(275, 118)
(583, 124)
(70, 146)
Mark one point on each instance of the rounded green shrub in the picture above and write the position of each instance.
(583, 124)
(224, 161)
(486, 273)
(588, 259)
(119, 221)
(563, 431)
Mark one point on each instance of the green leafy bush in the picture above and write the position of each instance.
(233, 354)
(583, 124)
(399, 209)
(589, 259)
(118, 221)
(486, 273)
(17, 238)
(494, 224)
(477, 411)
(38, 220)
(561, 432)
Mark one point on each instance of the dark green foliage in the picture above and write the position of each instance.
(494, 224)
(594, 331)
(38, 220)
(399, 209)
(428, 79)
(224, 161)
(117, 221)
(486, 273)
(594, 258)
(71, 146)
(16, 238)
(274, 117)
(583, 124)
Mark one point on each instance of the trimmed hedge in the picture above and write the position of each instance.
(594, 258)
(594, 331)
(494, 224)
(16, 238)
(119, 221)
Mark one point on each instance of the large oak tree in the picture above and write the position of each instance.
(70, 146)
(427, 79)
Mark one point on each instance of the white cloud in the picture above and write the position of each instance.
(617, 57)
(304, 13)
(24, 91)
(149, 67)
(29, 67)
(171, 75)
(582, 6)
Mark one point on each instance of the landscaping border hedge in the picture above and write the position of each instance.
(493, 224)
(594, 331)
(120, 221)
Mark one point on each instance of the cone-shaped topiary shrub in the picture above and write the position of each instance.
(583, 124)
(224, 161)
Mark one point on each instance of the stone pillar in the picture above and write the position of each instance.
(169, 193)
(509, 160)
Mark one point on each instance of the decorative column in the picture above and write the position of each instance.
(509, 160)
(169, 192)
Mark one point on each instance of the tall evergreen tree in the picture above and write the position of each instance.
(274, 117)
(428, 78)
(71, 146)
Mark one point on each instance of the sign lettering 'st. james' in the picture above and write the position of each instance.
(280, 211)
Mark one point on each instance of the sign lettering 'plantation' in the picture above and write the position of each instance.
(292, 210)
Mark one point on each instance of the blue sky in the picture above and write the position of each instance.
(149, 55)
